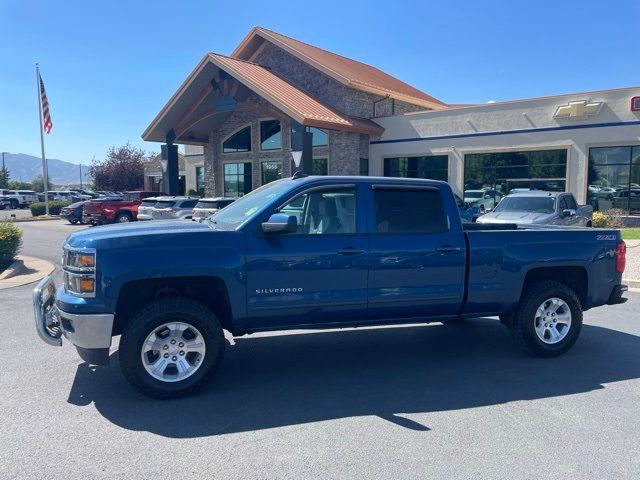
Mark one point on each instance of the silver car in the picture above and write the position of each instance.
(210, 206)
(145, 209)
(538, 207)
(173, 208)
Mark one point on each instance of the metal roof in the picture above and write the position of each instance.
(351, 73)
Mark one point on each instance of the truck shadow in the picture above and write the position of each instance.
(291, 379)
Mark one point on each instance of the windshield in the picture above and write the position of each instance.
(527, 204)
(246, 207)
(473, 194)
(148, 203)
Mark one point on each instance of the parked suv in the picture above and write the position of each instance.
(209, 206)
(18, 198)
(145, 209)
(173, 208)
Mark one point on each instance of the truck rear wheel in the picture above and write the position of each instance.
(171, 347)
(549, 319)
(123, 217)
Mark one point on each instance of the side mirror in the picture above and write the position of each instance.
(280, 223)
(467, 205)
(568, 212)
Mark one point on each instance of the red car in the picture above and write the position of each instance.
(114, 209)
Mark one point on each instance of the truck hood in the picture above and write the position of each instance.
(515, 217)
(138, 234)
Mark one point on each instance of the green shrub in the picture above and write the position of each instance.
(192, 193)
(10, 243)
(39, 208)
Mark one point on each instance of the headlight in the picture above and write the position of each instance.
(79, 268)
(80, 260)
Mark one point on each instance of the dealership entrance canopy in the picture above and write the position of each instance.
(275, 95)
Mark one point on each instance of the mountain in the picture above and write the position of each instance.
(25, 168)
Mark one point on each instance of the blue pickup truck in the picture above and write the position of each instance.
(312, 253)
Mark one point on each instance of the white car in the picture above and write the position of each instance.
(485, 200)
(210, 206)
(145, 209)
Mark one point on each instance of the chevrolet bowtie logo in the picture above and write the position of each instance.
(578, 109)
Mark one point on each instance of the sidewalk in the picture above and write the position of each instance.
(632, 271)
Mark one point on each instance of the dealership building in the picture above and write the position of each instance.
(241, 116)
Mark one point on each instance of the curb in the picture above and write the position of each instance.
(25, 270)
(634, 285)
(40, 218)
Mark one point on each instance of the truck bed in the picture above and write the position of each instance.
(500, 257)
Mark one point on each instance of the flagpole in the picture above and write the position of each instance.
(45, 175)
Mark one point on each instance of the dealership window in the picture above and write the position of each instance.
(237, 179)
(271, 170)
(614, 178)
(320, 166)
(434, 167)
(503, 172)
(270, 135)
(364, 167)
(200, 180)
(320, 137)
(238, 142)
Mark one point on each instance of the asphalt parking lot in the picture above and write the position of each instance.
(436, 401)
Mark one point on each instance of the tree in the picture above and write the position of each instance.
(4, 177)
(38, 184)
(16, 185)
(123, 169)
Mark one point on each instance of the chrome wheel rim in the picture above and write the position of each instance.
(123, 219)
(553, 320)
(173, 351)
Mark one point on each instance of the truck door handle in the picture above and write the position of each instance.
(350, 251)
(448, 249)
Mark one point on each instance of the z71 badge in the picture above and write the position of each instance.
(606, 237)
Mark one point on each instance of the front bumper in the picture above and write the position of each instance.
(90, 333)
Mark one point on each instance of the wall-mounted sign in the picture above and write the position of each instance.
(635, 104)
(580, 109)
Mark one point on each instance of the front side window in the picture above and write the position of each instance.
(270, 135)
(323, 212)
(271, 171)
(238, 142)
(237, 179)
(409, 211)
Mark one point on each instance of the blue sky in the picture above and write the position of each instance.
(110, 66)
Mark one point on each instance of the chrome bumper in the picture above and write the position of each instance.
(89, 331)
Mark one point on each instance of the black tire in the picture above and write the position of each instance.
(153, 315)
(523, 327)
(14, 204)
(589, 225)
(73, 221)
(123, 217)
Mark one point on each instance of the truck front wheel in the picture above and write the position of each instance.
(549, 319)
(171, 347)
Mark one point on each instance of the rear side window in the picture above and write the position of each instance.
(165, 204)
(188, 204)
(571, 202)
(409, 211)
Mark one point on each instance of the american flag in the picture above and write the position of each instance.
(46, 116)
